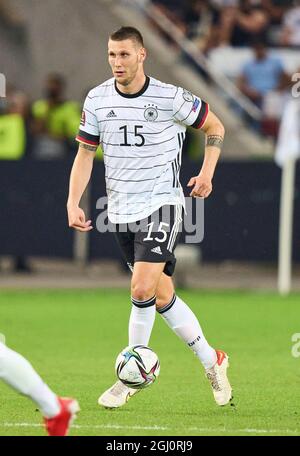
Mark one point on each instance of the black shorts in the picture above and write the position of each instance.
(152, 239)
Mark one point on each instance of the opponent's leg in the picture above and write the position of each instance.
(17, 372)
(185, 324)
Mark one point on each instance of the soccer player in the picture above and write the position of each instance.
(140, 123)
(17, 372)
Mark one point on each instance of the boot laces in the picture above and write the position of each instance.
(118, 388)
(214, 379)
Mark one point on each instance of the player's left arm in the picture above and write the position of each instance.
(214, 131)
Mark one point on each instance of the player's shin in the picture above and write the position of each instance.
(184, 323)
(141, 321)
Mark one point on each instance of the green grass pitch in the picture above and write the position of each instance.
(73, 337)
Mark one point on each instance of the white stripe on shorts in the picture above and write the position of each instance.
(175, 227)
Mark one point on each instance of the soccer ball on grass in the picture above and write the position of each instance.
(137, 366)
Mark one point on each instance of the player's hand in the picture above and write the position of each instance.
(202, 186)
(77, 220)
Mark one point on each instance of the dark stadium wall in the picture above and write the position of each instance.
(241, 216)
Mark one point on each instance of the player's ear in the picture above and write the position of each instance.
(143, 55)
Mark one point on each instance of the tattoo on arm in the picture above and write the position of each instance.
(88, 147)
(215, 141)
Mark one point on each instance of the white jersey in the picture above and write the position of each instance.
(141, 136)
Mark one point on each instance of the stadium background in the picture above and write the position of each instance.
(230, 278)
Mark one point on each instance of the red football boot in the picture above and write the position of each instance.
(59, 425)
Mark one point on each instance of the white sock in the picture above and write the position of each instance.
(141, 321)
(17, 372)
(185, 324)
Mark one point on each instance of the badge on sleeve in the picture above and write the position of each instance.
(195, 105)
(187, 96)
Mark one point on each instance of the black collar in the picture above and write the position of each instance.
(134, 95)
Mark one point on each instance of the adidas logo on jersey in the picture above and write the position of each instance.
(157, 250)
(111, 114)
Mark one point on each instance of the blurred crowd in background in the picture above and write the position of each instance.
(45, 128)
(42, 129)
(212, 23)
(264, 26)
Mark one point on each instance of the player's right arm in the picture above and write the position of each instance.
(79, 179)
(88, 138)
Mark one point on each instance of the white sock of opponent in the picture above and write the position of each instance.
(185, 324)
(141, 321)
(17, 372)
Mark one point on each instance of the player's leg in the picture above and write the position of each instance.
(185, 324)
(144, 283)
(153, 248)
(18, 373)
(145, 246)
(146, 258)
(179, 317)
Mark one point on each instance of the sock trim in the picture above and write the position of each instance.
(142, 304)
(168, 306)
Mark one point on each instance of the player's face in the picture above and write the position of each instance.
(126, 60)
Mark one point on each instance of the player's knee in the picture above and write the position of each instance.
(142, 291)
(162, 301)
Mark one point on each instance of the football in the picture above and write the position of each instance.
(137, 366)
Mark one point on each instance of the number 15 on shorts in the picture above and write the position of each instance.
(160, 230)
